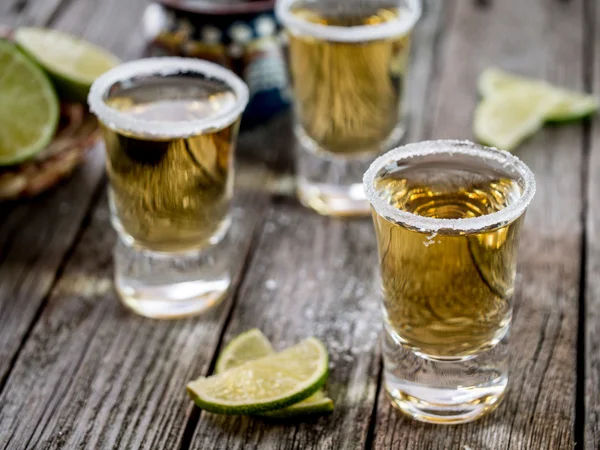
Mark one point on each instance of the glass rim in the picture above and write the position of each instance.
(450, 147)
(346, 34)
(165, 66)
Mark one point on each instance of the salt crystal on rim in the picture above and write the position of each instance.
(450, 147)
(358, 33)
(121, 121)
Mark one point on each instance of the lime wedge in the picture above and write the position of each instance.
(317, 403)
(506, 119)
(72, 63)
(569, 105)
(248, 346)
(265, 384)
(29, 108)
(492, 80)
(252, 345)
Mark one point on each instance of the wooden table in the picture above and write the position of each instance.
(79, 371)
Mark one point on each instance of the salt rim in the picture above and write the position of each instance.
(346, 34)
(450, 147)
(166, 66)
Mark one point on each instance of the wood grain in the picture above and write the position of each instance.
(540, 39)
(93, 375)
(80, 372)
(306, 280)
(592, 298)
(35, 236)
(316, 276)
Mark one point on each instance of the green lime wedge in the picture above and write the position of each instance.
(252, 345)
(248, 346)
(317, 403)
(507, 119)
(72, 63)
(29, 108)
(265, 384)
(569, 105)
(492, 80)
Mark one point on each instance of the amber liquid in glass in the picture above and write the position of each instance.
(171, 194)
(349, 95)
(449, 293)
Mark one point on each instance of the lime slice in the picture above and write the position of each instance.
(317, 403)
(265, 384)
(506, 119)
(246, 347)
(72, 63)
(569, 105)
(253, 345)
(29, 108)
(492, 80)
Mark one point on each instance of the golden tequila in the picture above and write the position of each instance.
(349, 95)
(170, 127)
(447, 217)
(447, 293)
(171, 194)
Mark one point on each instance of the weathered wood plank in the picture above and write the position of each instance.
(315, 276)
(93, 375)
(306, 280)
(422, 85)
(592, 303)
(35, 236)
(541, 39)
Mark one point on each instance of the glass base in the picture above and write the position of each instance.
(331, 183)
(164, 286)
(444, 391)
(333, 200)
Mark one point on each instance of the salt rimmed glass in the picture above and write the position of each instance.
(349, 63)
(447, 216)
(170, 127)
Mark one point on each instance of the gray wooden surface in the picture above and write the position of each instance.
(590, 309)
(78, 371)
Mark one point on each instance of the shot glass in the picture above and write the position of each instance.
(170, 127)
(348, 63)
(447, 217)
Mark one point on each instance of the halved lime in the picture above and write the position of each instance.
(265, 384)
(252, 345)
(570, 105)
(506, 119)
(29, 108)
(72, 63)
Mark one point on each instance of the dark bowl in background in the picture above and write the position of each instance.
(242, 36)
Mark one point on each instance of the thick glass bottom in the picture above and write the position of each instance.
(333, 200)
(162, 286)
(444, 391)
(331, 183)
